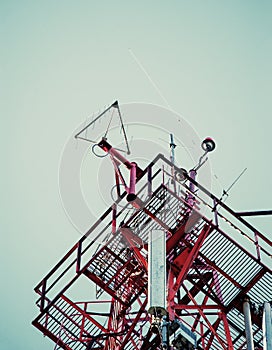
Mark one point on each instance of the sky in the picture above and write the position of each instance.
(61, 61)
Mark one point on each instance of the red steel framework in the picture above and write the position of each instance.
(215, 259)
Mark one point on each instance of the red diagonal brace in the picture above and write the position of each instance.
(212, 329)
(188, 263)
(227, 330)
(134, 240)
(133, 325)
(179, 234)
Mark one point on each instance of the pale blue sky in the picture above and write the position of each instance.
(63, 60)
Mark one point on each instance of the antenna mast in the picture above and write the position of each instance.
(162, 271)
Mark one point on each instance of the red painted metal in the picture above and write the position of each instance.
(227, 330)
(209, 272)
(185, 262)
(134, 243)
(132, 182)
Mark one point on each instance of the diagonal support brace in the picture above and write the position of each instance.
(188, 263)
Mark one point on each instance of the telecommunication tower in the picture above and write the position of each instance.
(175, 267)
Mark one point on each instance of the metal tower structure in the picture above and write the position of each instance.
(212, 284)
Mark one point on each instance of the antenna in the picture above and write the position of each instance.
(217, 203)
(226, 192)
(155, 86)
(164, 268)
(172, 146)
(113, 107)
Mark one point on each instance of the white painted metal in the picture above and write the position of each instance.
(248, 325)
(267, 326)
(157, 273)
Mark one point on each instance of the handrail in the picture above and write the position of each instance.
(147, 171)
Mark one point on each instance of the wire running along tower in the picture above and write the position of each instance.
(175, 267)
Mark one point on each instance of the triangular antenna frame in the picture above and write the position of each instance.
(114, 105)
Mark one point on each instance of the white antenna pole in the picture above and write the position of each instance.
(267, 327)
(172, 146)
(248, 324)
(157, 276)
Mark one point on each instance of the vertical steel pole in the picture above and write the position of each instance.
(190, 198)
(267, 327)
(172, 146)
(165, 333)
(172, 159)
(131, 191)
(149, 181)
(113, 220)
(248, 324)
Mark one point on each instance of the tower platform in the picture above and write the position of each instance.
(215, 259)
